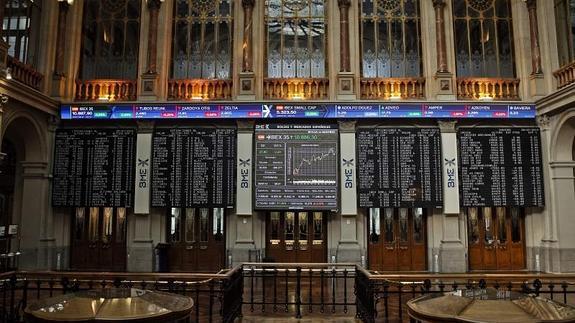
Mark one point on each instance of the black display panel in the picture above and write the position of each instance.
(399, 167)
(296, 167)
(94, 167)
(193, 167)
(500, 167)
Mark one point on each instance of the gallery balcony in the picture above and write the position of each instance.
(392, 88)
(24, 73)
(565, 75)
(485, 88)
(106, 90)
(200, 89)
(296, 88)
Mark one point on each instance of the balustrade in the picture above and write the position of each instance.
(106, 90)
(296, 89)
(565, 75)
(199, 89)
(24, 73)
(471, 88)
(392, 88)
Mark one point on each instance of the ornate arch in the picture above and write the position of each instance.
(563, 136)
(28, 130)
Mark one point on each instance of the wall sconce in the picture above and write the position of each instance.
(8, 72)
(395, 96)
(485, 97)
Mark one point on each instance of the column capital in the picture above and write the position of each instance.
(145, 126)
(544, 121)
(3, 101)
(248, 4)
(245, 125)
(346, 126)
(344, 3)
(154, 4)
(438, 4)
(447, 126)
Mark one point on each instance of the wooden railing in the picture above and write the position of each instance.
(565, 75)
(199, 89)
(297, 89)
(24, 73)
(487, 88)
(106, 90)
(392, 88)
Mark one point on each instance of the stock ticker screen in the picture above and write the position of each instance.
(296, 167)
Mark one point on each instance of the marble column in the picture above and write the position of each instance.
(59, 76)
(345, 86)
(452, 246)
(244, 221)
(348, 248)
(149, 79)
(534, 33)
(141, 248)
(246, 76)
(443, 78)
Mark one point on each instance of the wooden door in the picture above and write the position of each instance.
(397, 239)
(99, 239)
(296, 237)
(196, 237)
(496, 238)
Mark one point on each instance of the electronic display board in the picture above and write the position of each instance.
(296, 167)
(399, 167)
(292, 110)
(94, 167)
(500, 167)
(193, 167)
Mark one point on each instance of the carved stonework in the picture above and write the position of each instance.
(544, 121)
(344, 3)
(154, 4)
(145, 126)
(447, 126)
(438, 3)
(346, 126)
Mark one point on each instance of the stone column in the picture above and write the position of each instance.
(536, 77)
(534, 33)
(444, 79)
(59, 76)
(345, 88)
(244, 219)
(246, 76)
(348, 248)
(549, 253)
(149, 79)
(140, 248)
(33, 217)
(452, 247)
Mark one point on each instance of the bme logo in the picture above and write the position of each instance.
(245, 173)
(348, 172)
(143, 172)
(450, 169)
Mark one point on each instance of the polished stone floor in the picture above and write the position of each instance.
(311, 319)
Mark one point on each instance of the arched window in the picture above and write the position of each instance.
(21, 28)
(202, 39)
(483, 38)
(390, 41)
(296, 38)
(565, 25)
(110, 39)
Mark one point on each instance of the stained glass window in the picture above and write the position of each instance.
(390, 38)
(202, 39)
(110, 39)
(483, 38)
(296, 38)
(20, 29)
